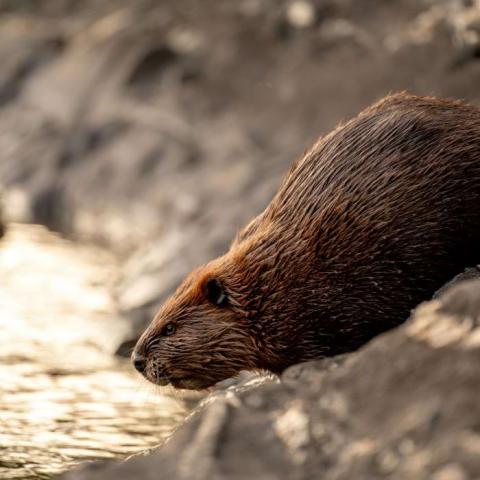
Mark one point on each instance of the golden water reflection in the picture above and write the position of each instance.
(64, 397)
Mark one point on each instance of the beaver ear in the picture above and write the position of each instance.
(215, 292)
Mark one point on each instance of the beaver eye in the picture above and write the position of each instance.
(168, 329)
(215, 292)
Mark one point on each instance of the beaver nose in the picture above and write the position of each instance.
(139, 362)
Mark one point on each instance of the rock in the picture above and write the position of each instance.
(2, 221)
(468, 274)
(50, 207)
(25, 46)
(404, 406)
(301, 14)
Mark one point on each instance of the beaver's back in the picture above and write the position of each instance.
(401, 151)
(378, 215)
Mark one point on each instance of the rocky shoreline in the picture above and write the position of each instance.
(404, 406)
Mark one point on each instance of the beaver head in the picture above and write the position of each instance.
(232, 314)
(200, 335)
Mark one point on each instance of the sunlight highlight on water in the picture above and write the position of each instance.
(64, 397)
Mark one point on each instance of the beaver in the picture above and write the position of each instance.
(372, 220)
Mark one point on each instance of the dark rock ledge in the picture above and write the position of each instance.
(406, 406)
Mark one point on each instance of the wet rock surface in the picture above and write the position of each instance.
(404, 406)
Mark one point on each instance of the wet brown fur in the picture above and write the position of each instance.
(371, 221)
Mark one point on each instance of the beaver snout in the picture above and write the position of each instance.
(149, 367)
(139, 362)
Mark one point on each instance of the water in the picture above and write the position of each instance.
(64, 398)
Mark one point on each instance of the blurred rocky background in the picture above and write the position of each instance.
(155, 129)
